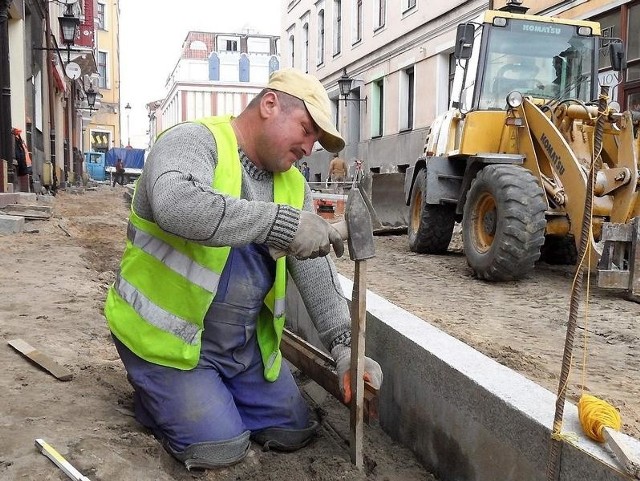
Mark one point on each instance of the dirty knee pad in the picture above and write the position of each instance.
(284, 439)
(213, 454)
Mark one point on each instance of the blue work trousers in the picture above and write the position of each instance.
(226, 394)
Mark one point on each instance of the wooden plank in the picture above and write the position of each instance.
(358, 329)
(41, 359)
(57, 458)
(321, 368)
(627, 458)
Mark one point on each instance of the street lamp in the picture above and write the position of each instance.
(344, 84)
(91, 98)
(68, 28)
(128, 109)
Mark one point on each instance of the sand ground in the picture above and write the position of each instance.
(53, 282)
(52, 287)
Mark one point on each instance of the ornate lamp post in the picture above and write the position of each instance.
(344, 84)
(128, 109)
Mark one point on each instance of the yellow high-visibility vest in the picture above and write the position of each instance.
(157, 305)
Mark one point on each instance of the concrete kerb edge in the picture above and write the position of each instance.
(465, 416)
(11, 224)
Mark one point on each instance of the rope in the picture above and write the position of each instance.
(595, 415)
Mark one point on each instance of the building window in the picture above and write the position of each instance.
(377, 114)
(100, 140)
(610, 23)
(408, 5)
(258, 45)
(380, 13)
(337, 26)
(244, 68)
(227, 44)
(214, 67)
(198, 45)
(274, 64)
(357, 33)
(102, 70)
(633, 44)
(407, 98)
(100, 19)
(320, 37)
(305, 47)
(292, 50)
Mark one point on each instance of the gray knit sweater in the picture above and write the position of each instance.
(175, 192)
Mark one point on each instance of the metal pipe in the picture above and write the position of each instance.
(553, 466)
(6, 138)
(51, 95)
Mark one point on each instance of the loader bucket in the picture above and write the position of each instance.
(384, 196)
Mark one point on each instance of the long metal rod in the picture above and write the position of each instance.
(51, 96)
(553, 465)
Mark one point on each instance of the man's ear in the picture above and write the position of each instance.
(269, 105)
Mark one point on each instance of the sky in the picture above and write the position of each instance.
(151, 36)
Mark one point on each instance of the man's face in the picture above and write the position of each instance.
(287, 137)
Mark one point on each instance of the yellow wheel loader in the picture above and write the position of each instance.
(511, 158)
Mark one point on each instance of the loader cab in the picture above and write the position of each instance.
(537, 56)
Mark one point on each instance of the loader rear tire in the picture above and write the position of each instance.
(430, 226)
(503, 223)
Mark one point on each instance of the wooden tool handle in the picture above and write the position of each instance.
(614, 440)
(358, 330)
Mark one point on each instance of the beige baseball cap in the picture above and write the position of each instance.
(309, 89)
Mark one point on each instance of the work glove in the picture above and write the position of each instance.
(314, 238)
(372, 371)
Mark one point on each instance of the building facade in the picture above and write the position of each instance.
(399, 55)
(217, 74)
(102, 129)
(50, 82)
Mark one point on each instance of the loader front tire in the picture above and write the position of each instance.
(430, 226)
(503, 222)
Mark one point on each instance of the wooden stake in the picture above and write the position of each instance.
(358, 331)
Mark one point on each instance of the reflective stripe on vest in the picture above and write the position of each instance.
(177, 261)
(155, 315)
(166, 284)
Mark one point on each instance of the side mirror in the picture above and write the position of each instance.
(465, 36)
(617, 56)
